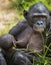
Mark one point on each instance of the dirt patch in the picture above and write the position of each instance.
(8, 17)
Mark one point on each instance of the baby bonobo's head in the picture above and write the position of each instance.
(7, 41)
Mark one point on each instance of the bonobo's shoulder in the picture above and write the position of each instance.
(22, 23)
(18, 28)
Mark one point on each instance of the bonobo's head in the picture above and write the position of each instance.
(7, 41)
(37, 17)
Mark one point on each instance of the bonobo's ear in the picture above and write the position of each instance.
(25, 13)
(50, 13)
(49, 22)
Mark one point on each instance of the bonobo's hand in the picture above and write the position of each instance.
(20, 43)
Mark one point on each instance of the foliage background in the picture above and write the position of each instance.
(25, 4)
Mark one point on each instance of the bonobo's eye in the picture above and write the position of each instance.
(43, 17)
(39, 16)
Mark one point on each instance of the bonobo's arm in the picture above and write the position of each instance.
(18, 28)
(49, 39)
(49, 45)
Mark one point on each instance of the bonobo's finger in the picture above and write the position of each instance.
(17, 42)
(20, 43)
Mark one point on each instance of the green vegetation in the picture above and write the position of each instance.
(25, 4)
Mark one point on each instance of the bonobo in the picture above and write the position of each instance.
(30, 33)
(8, 41)
(12, 56)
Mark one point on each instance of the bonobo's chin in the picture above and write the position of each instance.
(40, 30)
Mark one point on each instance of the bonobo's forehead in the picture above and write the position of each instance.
(38, 8)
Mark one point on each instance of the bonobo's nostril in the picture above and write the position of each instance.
(41, 23)
(38, 23)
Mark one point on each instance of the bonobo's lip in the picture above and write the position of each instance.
(39, 30)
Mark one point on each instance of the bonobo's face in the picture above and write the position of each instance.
(39, 22)
(37, 17)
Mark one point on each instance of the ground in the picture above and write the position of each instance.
(8, 17)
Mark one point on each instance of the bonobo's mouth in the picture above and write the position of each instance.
(38, 29)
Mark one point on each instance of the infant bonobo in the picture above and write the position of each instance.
(11, 55)
(6, 43)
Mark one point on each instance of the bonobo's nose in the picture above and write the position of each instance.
(39, 23)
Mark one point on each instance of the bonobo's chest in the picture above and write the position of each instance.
(33, 40)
